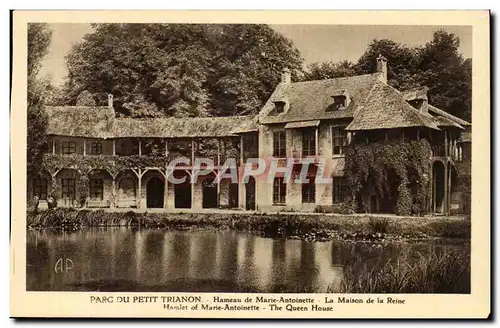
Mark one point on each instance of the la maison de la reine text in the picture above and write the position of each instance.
(96, 159)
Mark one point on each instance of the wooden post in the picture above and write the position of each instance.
(219, 178)
(53, 146)
(418, 134)
(140, 147)
(114, 147)
(139, 190)
(166, 148)
(84, 147)
(316, 141)
(242, 159)
(165, 190)
(241, 185)
(433, 192)
(445, 196)
(113, 192)
(192, 153)
(446, 143)
(218, 152)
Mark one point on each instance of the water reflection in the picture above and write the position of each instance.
(121, 259)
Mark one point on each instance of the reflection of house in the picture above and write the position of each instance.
(124, 159)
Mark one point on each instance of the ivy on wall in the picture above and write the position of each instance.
(396, 173)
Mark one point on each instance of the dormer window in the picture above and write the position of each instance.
(339, 102)
(416, 103)
(279, 107)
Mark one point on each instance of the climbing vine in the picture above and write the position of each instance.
(109, 163)
(396, 173)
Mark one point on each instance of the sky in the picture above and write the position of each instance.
(316, 43)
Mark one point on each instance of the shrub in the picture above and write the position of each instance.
(379, 225)
(432, 273)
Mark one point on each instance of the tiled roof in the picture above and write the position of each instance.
(313, 100)
(184, 127)
(80, 121)
(386, 108)
(453, 118)
(100, 122)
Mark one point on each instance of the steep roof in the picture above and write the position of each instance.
(80, 121)
(386, 108)
(453, 118)
(100, 122)
(311, 99)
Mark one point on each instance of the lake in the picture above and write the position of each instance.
(125, 259)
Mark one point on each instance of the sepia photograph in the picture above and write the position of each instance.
(168, 159)
(249, 158)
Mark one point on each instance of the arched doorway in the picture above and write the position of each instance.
(126, 193)
(209, 192)
(439, 180)
(155, 191)
(182, 191)
(250, 194)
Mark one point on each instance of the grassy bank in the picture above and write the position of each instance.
(313, 227)
(445, 272)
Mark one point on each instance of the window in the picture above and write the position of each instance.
(339, 102)
(309, 192)
(96, 189)
(68, 147)
(96, 148)
(339, 190)
(279, 191)
(309, 142)
(40, 188)
(279, 106)
(339, 141)
(68, 188)
(279, 143)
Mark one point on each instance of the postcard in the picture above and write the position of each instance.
(250, 164)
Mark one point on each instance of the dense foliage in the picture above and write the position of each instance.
(180, 69)
(437, 65)
(396, 173)
(39, 36)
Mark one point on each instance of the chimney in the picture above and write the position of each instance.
(382, 67)
(110, 101)
(286, 76)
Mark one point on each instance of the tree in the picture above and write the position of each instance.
(402, 60)
(85, 98)
(180, 69)
(447, 74)
(437, 65)
(39, 36)
(329, 70)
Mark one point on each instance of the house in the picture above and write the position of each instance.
(96, 159)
